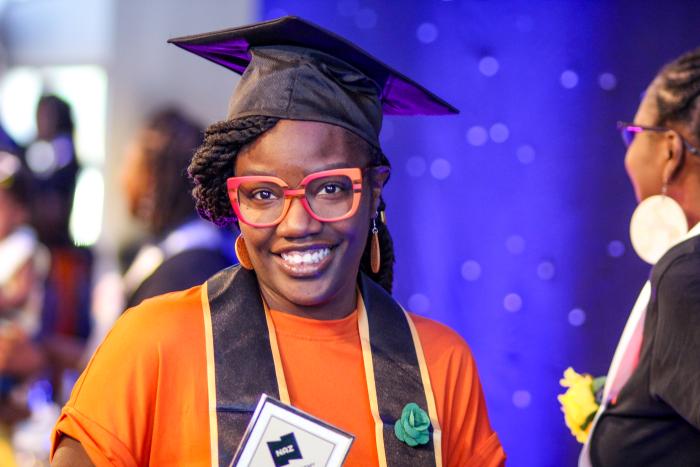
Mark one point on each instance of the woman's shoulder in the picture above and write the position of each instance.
(679, 271)
(681, 261)
(676, 294)
(162, 317)
(157, 335)
(179, 302)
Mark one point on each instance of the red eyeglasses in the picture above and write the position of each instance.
(328, 196)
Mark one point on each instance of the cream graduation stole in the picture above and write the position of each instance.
(623, 363)
(243, 361)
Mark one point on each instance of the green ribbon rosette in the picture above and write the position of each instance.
(413, 428)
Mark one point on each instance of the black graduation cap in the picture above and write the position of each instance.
(297, 70)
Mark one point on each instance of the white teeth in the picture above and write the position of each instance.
(306, 257)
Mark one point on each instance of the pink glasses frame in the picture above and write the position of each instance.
(354, 174)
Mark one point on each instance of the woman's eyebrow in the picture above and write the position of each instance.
(333, 165)
(320, 168)
(251, 172)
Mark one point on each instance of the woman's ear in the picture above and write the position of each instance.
(674, 156)
(378, 178)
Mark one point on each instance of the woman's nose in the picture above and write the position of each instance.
(298, 222)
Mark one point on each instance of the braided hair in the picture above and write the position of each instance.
(215, 160)
(678, 91)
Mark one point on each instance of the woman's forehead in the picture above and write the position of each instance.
(302, 147)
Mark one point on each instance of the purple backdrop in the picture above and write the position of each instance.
(510, 220)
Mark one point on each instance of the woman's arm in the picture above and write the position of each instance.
(70, 453)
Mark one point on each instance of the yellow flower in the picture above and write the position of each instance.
(578, 403)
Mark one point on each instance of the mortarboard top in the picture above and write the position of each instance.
(295, 69)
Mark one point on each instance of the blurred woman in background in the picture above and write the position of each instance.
(183, 250)
(54, 165)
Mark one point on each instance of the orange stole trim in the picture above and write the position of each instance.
(363, 325)
(429, 395)
(211, 377)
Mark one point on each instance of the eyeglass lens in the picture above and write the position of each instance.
(328, 197)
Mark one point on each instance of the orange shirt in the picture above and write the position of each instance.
(143, 397)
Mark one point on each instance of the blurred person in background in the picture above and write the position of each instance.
(22, 269)
(183, 250)
(67, 288)
(59, 283)
(53, 161)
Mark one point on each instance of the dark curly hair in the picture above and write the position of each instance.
(678, 89)
(167, 141)
(215, 160)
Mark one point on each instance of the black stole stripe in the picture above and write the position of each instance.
(396, 372)
(244, 366)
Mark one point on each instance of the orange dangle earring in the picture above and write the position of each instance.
(375, 256)
(242, 253)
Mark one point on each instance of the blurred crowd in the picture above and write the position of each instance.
(58, 300)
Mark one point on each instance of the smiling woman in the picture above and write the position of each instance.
(301, 262)
(307, 317)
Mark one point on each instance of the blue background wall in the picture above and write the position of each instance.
(510, 220)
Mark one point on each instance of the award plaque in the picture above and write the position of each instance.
(280, 435)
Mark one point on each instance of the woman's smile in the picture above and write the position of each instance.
(305, 261)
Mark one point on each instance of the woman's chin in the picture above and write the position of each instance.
(311, 297)
(308, 296)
